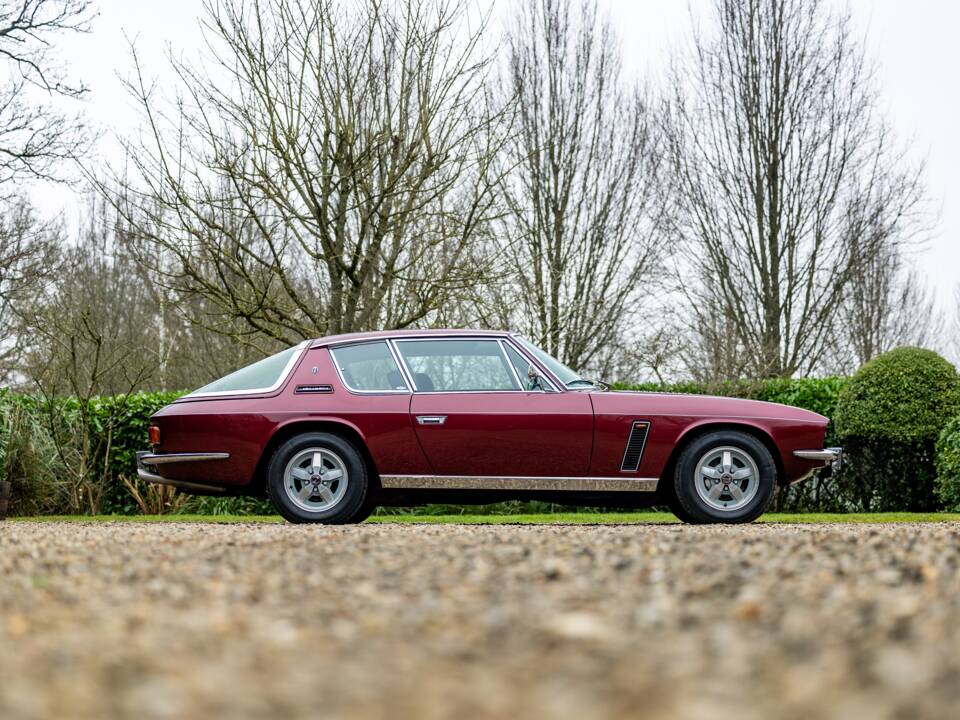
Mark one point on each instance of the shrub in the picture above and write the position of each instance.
(28, 458)
(948, 465)
(889, 416)
(39, 437)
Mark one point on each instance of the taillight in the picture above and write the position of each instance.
(154, 435)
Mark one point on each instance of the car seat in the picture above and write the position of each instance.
(423, 381)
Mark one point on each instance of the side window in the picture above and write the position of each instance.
(457, 365)
(369, 367)
(522, 366)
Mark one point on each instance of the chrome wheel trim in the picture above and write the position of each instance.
(316, 479)
(727, 478)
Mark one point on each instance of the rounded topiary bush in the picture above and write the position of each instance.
(948, 465)
(889, 417)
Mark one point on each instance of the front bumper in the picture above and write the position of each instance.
(830, 457)
(147, 469)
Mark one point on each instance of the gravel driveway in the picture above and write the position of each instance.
(138, 620)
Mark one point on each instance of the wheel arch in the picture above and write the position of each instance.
(284, 432)
(693, 432)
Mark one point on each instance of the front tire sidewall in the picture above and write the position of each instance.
(685, 478)
(353, 499)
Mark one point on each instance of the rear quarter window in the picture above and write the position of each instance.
(262, 376)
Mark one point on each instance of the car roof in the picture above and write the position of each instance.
(384, 334)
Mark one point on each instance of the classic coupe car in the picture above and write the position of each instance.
(334, 427)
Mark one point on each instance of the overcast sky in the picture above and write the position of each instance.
(914, 44)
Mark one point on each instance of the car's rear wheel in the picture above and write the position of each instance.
(724, 477)
(318, 477)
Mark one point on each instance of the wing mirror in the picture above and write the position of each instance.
(533, 375)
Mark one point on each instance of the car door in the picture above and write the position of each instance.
(474, 417)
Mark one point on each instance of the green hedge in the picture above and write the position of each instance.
(39, 437)
(948, 465)
(904, 395)
(890, 415)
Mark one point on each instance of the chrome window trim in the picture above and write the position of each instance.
(554, 382)
(506, 359)
(543, 368)
(407, 376)
(284, 375)
(355, 391)
(516, 375)
(551, 381)
(428, 338)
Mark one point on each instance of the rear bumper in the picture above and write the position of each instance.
(148, 471)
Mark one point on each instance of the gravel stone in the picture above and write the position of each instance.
(187, 620)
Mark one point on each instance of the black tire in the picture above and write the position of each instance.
(347, 508)
(690, 502)
(366, 510)
(682, 515)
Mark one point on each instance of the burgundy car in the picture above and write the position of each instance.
(334, 427)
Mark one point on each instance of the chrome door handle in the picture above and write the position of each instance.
(431, 419)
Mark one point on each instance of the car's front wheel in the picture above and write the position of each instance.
(724, 477)
(317, 477)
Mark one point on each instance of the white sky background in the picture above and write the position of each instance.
(914, 44)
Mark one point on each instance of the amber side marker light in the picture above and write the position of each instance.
(154, 433)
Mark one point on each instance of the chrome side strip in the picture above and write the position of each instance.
(164, 458)
(471, 482)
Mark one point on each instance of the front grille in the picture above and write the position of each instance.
(635, 444)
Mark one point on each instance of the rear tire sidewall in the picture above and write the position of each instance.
(357, 479)
(684, 479)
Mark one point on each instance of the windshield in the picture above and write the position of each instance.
(564, 374)
(261, 376)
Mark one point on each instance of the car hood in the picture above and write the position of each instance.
(654, 403)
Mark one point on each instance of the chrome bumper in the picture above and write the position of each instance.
(147, 469)
(164, 458)
(831, 457)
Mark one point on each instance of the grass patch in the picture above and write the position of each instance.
(226, 519)
(629, 518)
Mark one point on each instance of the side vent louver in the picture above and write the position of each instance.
(304, 389)
(635, 445)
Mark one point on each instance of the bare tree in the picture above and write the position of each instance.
(28, 263)
(955, 329)
(91, 331)
(328, 171)
(138, 335)
(36, 135)
(787, 181)
(583, 194)
(886, 304)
